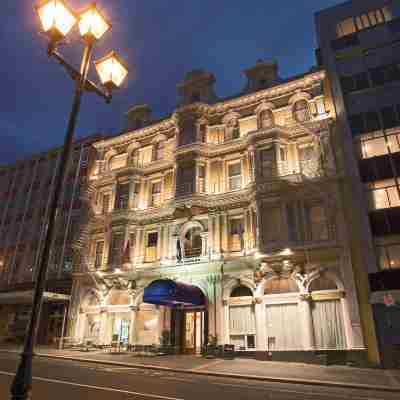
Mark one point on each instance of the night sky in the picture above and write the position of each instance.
(161, 40)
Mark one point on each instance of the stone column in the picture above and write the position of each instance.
(160, 231)
(165, 247)
(211, 249)
(132, 325)
(208, 176)
(138, 246)
(246, 216)
(204, 244)
(217, 235)
(347, 323)
(113, 196)
(131, 201)
(103, 328)
(243, 171)
(308, 326)
(225, 327)
(224, 181)
(259, 314)
(224, 232)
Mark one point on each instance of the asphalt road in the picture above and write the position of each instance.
(70, 380)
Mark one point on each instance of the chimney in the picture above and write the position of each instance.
(262, 75)
(138, 116)
(198, 86)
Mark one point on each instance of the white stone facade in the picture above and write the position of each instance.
(240, 198)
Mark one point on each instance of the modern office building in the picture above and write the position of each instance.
(222, 222)
(359, 43)
(25, 189)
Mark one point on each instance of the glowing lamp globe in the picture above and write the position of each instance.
(92, 23)
(56, 17)
(112, 70)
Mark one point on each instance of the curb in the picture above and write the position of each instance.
(259, 378)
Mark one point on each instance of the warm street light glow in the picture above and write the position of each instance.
(92, 24)
(56, 17)
(112, 70)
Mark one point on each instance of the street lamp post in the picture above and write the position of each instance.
(57, 20)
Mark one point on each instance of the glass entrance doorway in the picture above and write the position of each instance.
(188, 330)
(193, 332)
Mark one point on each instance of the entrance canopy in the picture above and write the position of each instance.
(169, 293)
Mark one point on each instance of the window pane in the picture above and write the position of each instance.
(359, 23)
(382, 257)
(372, 18)
(393, 194)
(394, 143)
(394, 255)
(379, 16)
(378, 199)
(156, 187)
(374, 147)
(152, 239)
(365, 20)
(346, 27)
(234, 169)
(387, 13)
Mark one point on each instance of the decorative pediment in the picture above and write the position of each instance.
(299, 96)
(231, 119)
(263, 106)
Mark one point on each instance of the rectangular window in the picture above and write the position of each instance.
(145, 155)
(235, 176)
(268, 163)
(201, 171)
(345, 27)
(98, 257)
(317, 222)
(156, 194)
(117, 243)
(152, 239)
(106, 203)
(389, 256)
(383, 194)
(122, 196)
(151, 247)
(236, 240)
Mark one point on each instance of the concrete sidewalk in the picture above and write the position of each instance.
(339, 376)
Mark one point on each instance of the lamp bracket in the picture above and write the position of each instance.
(75, 75)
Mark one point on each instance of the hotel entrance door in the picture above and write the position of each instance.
(188, 329)
(193, 332)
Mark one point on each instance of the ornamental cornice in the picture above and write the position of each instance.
(303, 83)
(128, 137)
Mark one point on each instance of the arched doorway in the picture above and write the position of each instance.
(327, 316)
(242, 321)
(188, 316)
(283, 322)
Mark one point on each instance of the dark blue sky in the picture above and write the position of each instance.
(161, 40)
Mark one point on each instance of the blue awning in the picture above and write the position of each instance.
(169, 293)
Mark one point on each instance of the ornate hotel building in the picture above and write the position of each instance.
(222, 222)
(25, 189)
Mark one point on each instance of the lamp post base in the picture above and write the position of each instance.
(21, 387)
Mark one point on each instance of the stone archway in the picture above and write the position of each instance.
(192, 240)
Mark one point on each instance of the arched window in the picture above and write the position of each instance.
(280, 285)
(266, 119)
(192, 242)
(322, 283)
(241, 291)
(301, 112)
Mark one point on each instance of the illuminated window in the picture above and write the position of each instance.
(345, 27)
(266, 119)
(317, 222)
(98, 257)
(371, 146)
(106, 203)
(383, 194)
(389, 256)
(151, 247)
(301, 112)
(156, 194)
(235, 176)
(201, 175)
(236, 242)
(122, 196)
(117, 242)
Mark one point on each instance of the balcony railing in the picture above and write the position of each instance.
(151, 254)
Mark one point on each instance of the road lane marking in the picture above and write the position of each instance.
(207, 365)
(153, 396)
